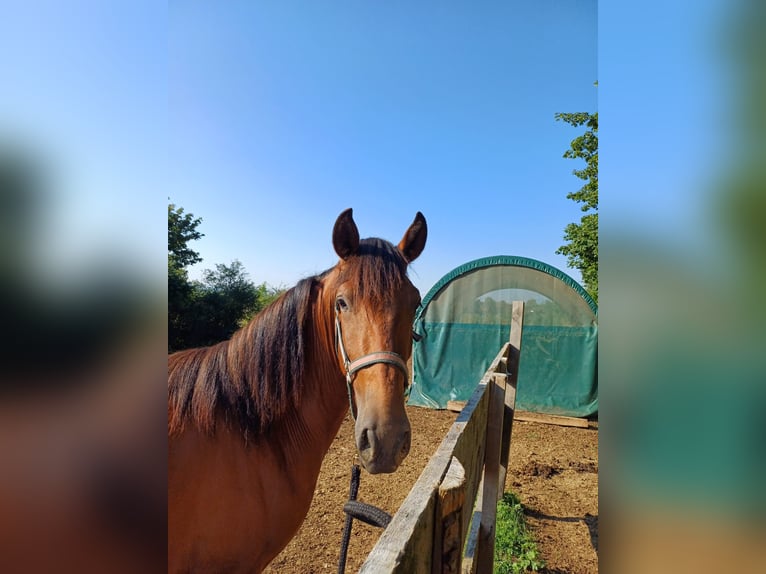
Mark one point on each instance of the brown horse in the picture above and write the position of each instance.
(250, 419)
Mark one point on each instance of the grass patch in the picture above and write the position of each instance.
(515, 550)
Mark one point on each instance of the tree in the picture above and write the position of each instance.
(222, 299)
(182, 228)
(581, 248)
(266, 296)
(208, 311)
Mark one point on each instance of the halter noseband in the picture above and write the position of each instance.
(352, 367)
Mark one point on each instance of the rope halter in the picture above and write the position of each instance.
(352, 367)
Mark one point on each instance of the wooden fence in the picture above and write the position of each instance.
(447, 522)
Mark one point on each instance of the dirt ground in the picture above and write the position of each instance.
(554, 470)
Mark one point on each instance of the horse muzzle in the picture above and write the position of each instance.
(382, 449)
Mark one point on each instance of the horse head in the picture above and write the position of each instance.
(373, 304)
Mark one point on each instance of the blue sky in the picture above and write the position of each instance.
(282, 115)
(267, 119)
(84, 96)
(667, 108)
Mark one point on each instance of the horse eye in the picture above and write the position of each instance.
(340, 302)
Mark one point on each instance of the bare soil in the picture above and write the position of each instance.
(554, 471)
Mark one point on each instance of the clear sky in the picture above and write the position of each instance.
(84, 97)
(283, 114)
(667, 109)
(267, 119)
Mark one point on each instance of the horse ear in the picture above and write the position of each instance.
(414, 239)
(345, 235)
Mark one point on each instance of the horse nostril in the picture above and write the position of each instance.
(406, 441)
(364, 440)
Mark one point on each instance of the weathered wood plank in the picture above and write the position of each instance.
(405, 545)
(514, 362)
(468, 565)
(469, 448)
(451, 495)
(449, 504)
(485, 553)
(469, 557)
(552, 419)
(456, 406)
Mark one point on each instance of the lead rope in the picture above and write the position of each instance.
(367, 513)
(353, 490)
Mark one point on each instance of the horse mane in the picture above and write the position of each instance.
(251, 376)
(254, 378)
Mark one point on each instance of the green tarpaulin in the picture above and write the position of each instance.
(465, 319)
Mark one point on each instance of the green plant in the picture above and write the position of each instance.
(515, 550)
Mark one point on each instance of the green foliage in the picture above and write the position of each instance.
(219, 302)
(180, 298)
(515, 550)
(217, 306)
(266, 295)
(182, 228)
(205, 312)
(581, 248)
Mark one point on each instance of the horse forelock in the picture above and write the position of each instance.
(376, 271)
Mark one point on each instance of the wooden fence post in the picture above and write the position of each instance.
(486, 543)
(514, 359)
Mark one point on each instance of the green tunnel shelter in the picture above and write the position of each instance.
(465, 318)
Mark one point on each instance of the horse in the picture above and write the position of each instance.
(250, 419)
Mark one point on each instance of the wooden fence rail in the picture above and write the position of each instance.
(435, 530)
